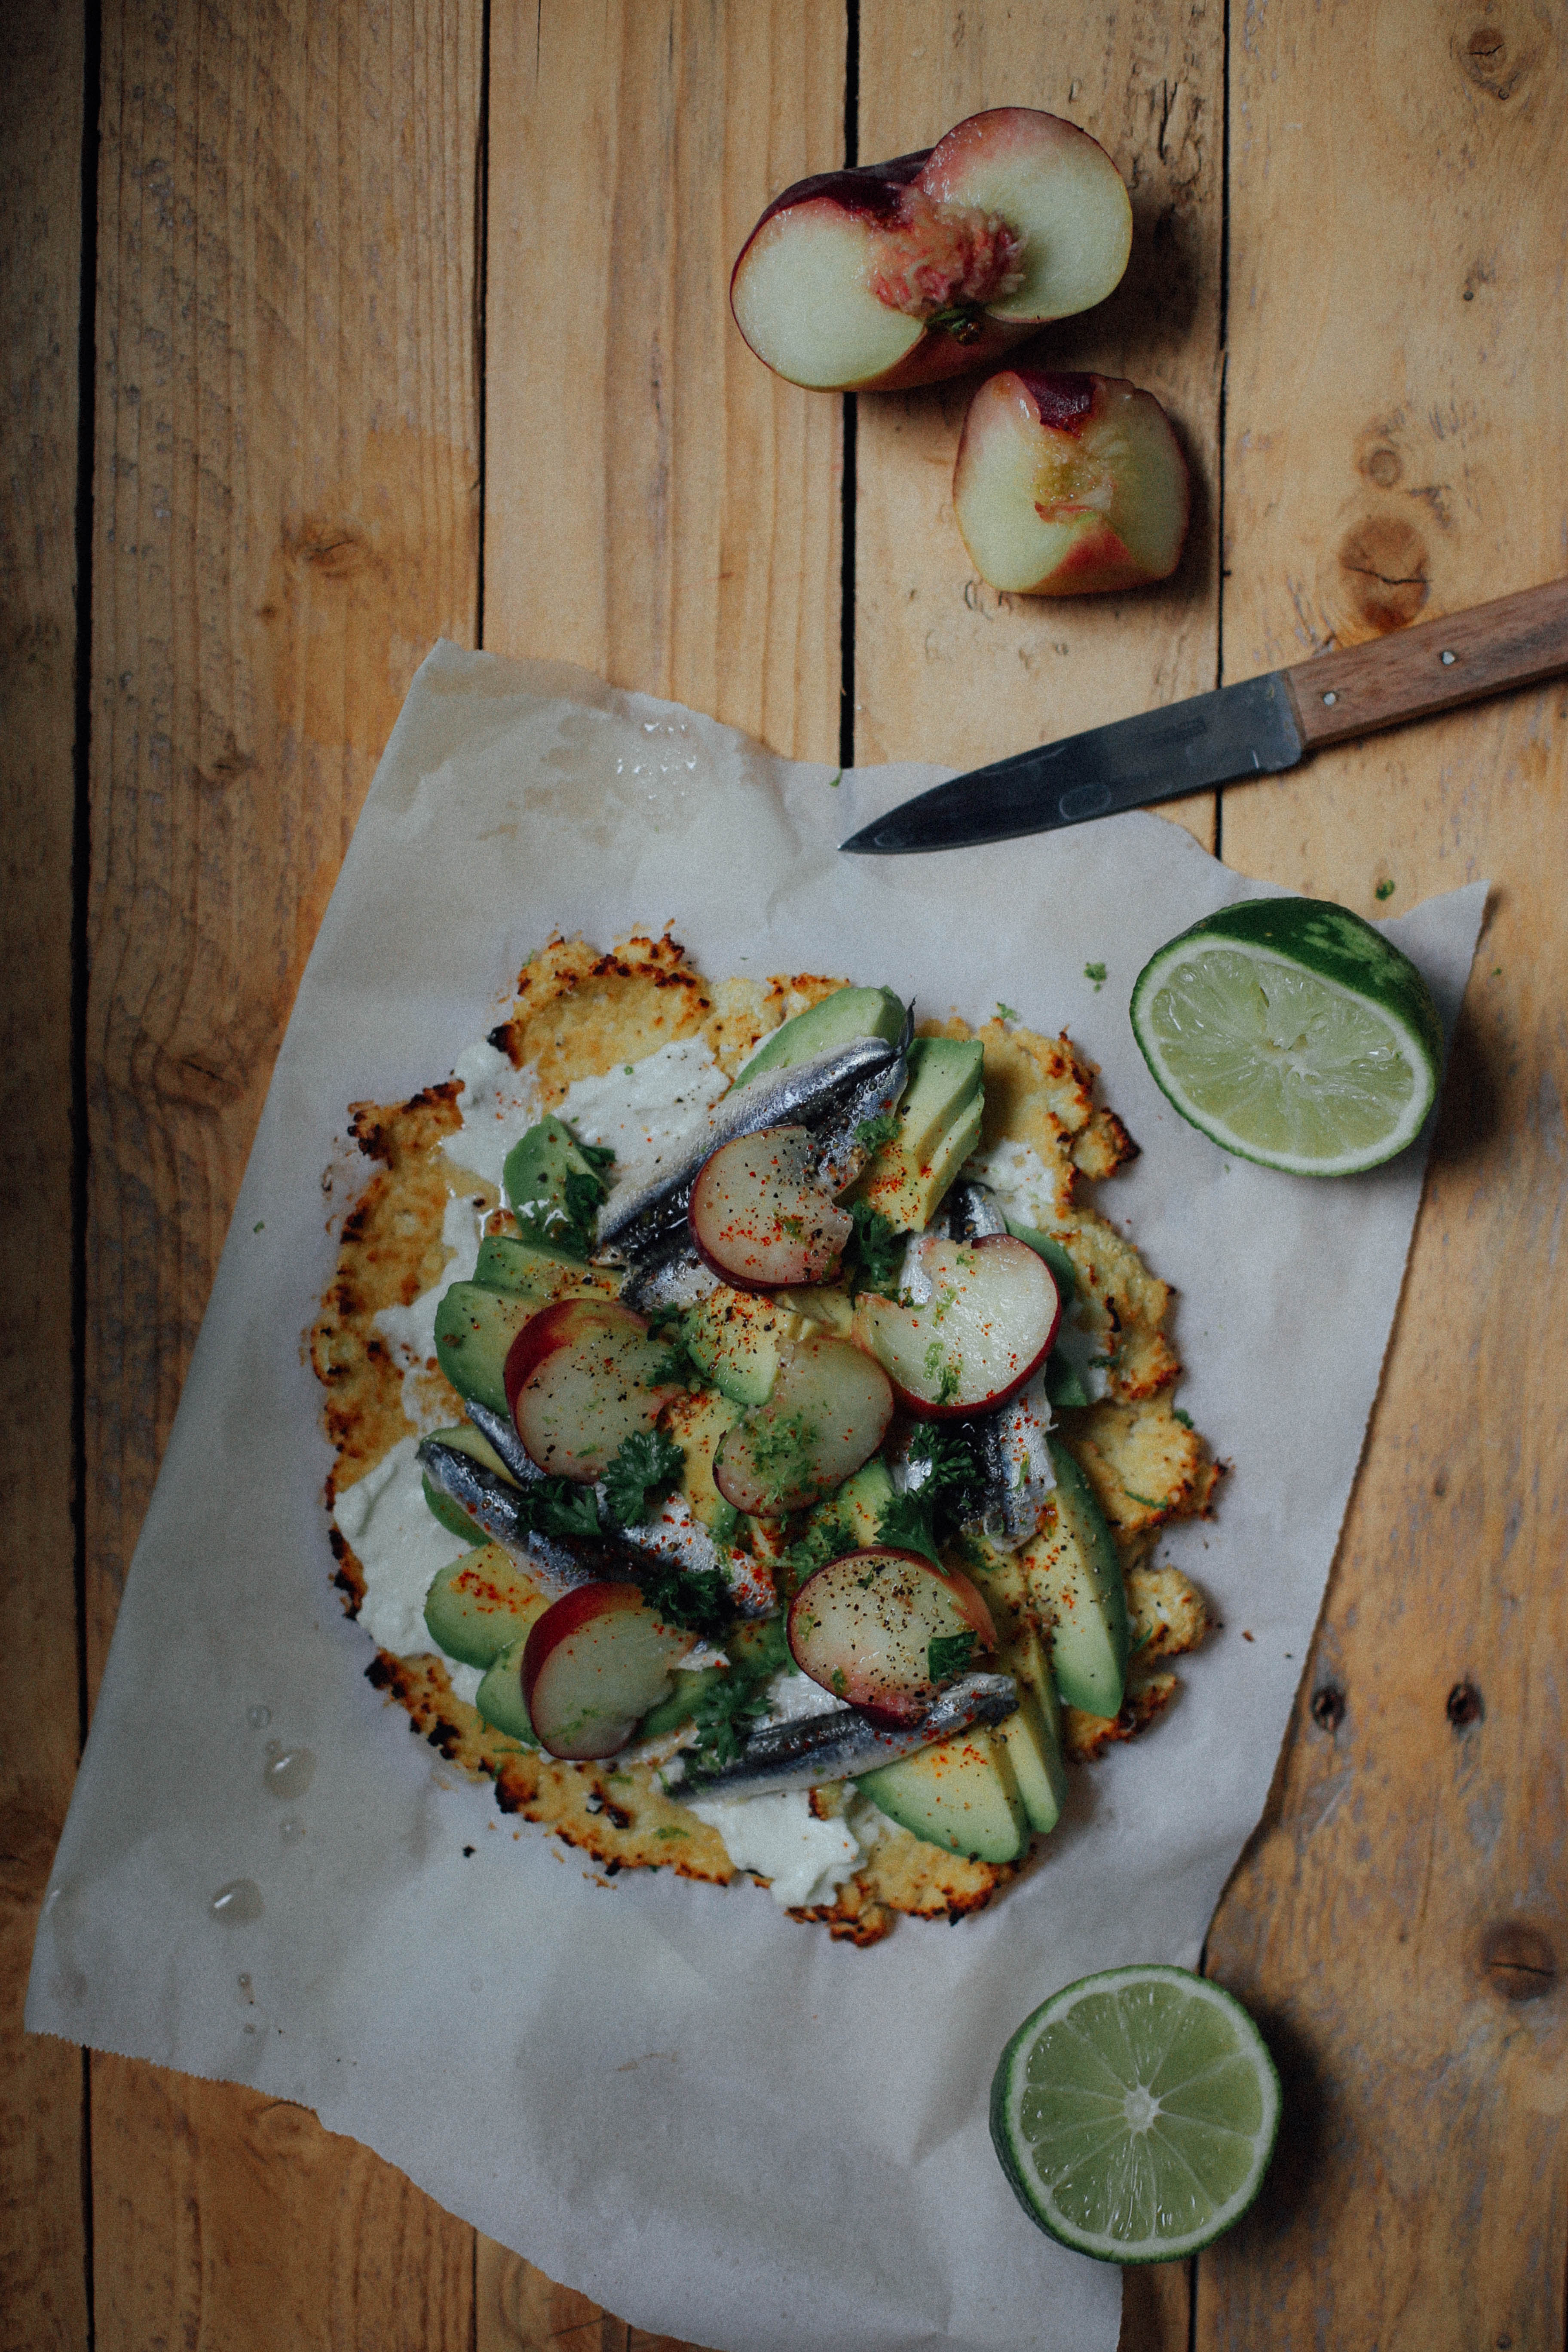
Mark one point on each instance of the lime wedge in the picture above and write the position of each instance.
(1136, 2114)
(1293, 1033)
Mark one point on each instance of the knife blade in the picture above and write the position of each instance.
(1258, 728)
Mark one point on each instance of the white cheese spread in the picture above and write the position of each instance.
(401, 1546)
(640, 1109)
(411, 1330)
(781, 1839)
(499, 1105)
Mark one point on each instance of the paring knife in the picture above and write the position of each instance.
(1257, 729)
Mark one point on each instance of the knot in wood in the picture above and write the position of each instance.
(1464, 1706)
(1518, 1960)
(1329, 1708)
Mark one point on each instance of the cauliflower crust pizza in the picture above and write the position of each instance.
(759, 1478)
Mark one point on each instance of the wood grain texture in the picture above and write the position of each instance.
(658, 507)
(518, 2309)
(236, 2221)
(945, 667)
(43, 2293)
(285, 519)
(1433, 666)
(1399, 447)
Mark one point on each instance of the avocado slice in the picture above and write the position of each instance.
(1063, 1272)
(474, 1331)
(1073, 1570)
(1032, 1737)
(836, 1020)
(481, 1605)
(735, 1337)
(939, 1125)
(463, 1439)
(521, 1263)
(960, 1794)
(862, 1500)
(499, 1697)
(553, 1185)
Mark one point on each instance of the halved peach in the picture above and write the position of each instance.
(907, 272)
(1068, 485)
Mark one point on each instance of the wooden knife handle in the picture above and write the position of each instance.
(1432, 667)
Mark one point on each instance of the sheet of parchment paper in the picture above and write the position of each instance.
(708, 2117)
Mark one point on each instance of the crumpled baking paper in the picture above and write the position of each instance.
(708, 2117)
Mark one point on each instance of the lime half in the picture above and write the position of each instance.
(1293, 1033)
(1136, 2114)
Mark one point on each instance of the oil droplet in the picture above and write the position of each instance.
(239, 1901)
(259, 1717)
(291, 1831)
(288, 1771)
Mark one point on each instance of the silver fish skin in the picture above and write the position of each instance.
(842, 1153)
(814, 1749)
(1019, 1474)
(809, 1093)
(671, 1274)
(501, 1432)
(674, 1532)
(972, 1214)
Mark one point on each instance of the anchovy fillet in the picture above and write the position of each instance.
(501, 1431)
(1014, 1459)
(670, 1275)
(638, 1217)
(843, 1151)
(840, 1744)
(497, 1506)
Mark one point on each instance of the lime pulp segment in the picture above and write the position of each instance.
(1278, 1062)
(1136, 2114)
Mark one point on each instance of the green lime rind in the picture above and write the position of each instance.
(1360, 986)
(1136, 2114)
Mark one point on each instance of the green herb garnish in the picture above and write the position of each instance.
(1095, 972)
(875, 1252)
(948, 1655)
(872, 1133)
(648, 1465)
(1005, 1012)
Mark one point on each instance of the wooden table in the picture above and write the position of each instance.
(345, 326)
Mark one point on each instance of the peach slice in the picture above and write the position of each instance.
(580, 1381)
(593, 1665)
(825, 1415)
(907, 272)
(984, 1325)
(1068, 485)
(884, 1630)
(759, 1217)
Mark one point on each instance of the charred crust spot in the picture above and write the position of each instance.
(382, 1673)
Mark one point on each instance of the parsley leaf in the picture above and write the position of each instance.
(872, 1133)
(874, 1253)
(648, 1465)
(826, 1538)
(948, 1655)
(678, 1363)
(1185, 1418)
(908, 1522)
(697, 1599)
(1095, 972)
(559, 1507)
(1005, 1012)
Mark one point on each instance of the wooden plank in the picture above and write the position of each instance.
(238, 2219)
(43, 2282)
(945, 667)
(658, 507)
(518, 2309)
(1398, 446)
(285, 518)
